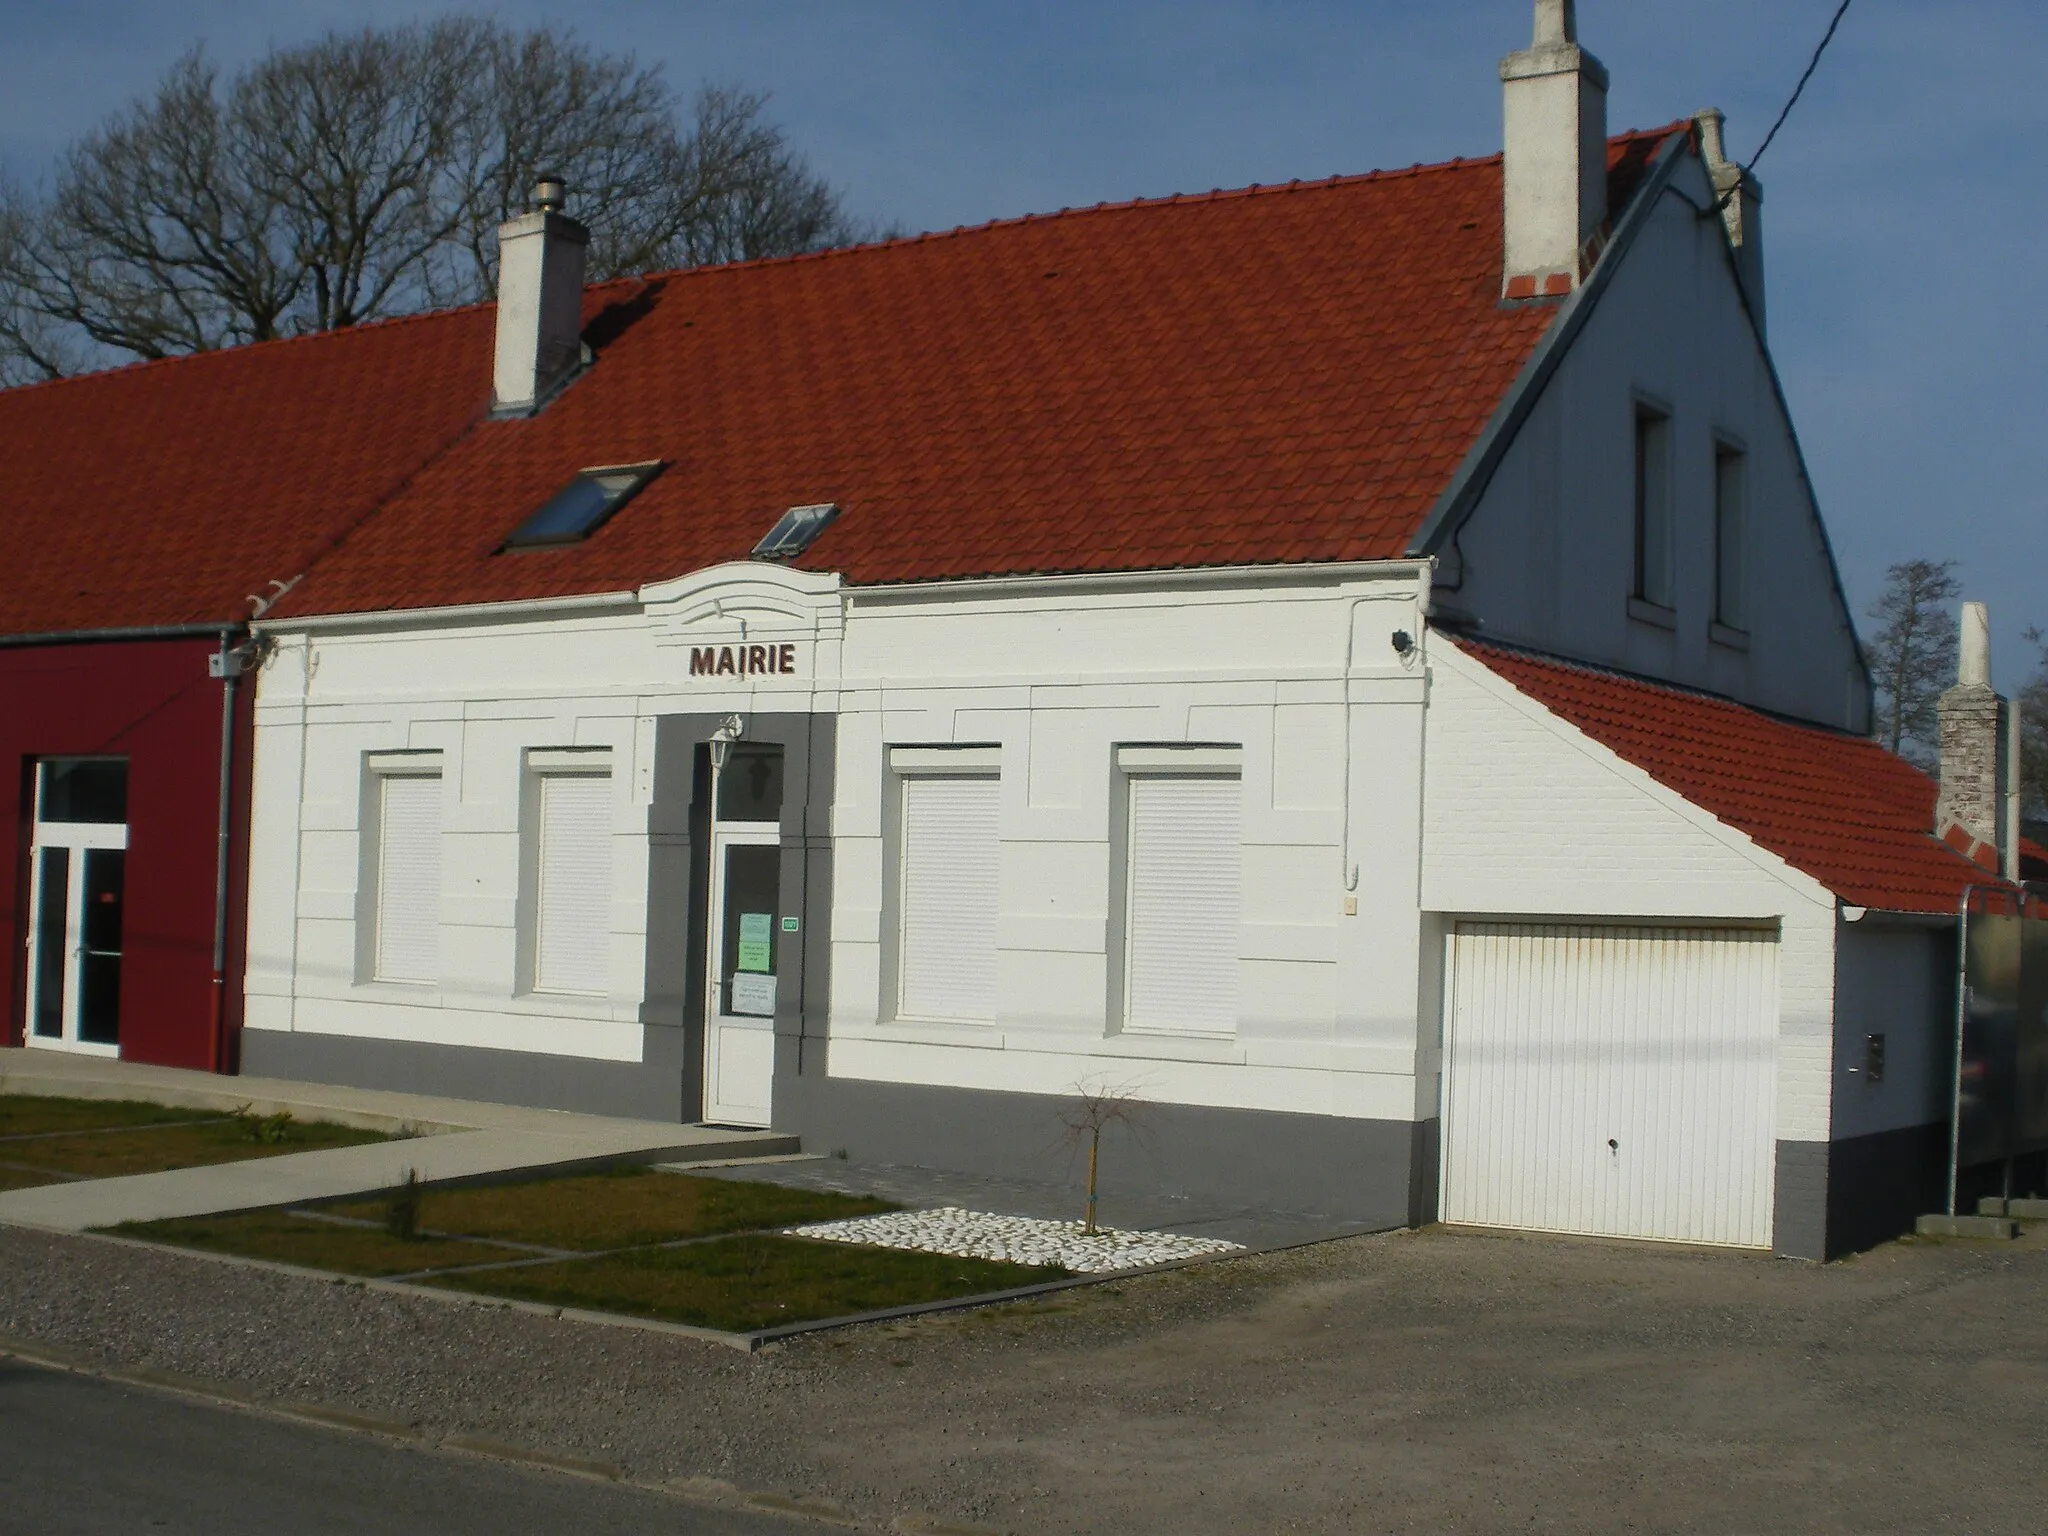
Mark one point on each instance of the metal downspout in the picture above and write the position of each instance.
(217, 1024)
(1955, 1110)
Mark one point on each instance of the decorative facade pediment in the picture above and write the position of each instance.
(748, 621)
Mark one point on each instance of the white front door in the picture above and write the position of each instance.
(76, 889)
(744, 955)
(1612, 1080)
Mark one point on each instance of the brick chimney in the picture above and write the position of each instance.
(1977, 809)
(1554, 120)
(540, 301)
(1742, 210)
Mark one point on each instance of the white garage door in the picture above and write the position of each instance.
(1610, 1080)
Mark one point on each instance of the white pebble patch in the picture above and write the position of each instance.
(1019, 1239)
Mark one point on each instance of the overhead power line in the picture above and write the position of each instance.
(1811, 64)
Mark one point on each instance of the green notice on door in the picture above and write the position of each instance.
(755, 931)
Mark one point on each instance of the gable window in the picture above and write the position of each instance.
(571, 861)
(581, 507)
(1730, 490)
(406, 939)
(1653, 564)
(948, 868)
(1182, 870)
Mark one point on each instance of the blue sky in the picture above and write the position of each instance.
(1904, 216)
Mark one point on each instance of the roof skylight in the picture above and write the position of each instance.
(580, 508)
(795, 531)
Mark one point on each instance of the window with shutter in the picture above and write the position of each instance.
(1182, 904)
(948, 871)
(573, 884)
(408, 877)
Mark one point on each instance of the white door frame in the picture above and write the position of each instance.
(74, 838)
(739, 1049)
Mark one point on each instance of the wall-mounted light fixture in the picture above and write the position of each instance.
(730, 730)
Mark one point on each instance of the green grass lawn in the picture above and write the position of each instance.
(729, 1271)
(743, 1283)
(624, 1207)
(289, 1238)
(152, 1149)
(24, 1178)
(29, 1114)
(44, 1139)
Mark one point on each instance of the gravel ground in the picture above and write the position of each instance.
(1428, 1381)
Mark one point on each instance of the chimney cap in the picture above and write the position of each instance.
(1973, 660)
(550, 193)
(1557, 23)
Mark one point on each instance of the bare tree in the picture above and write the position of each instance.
(1093, 1111)
(365, 174)
(2033, 707)
(1913, 655)
(32, 346)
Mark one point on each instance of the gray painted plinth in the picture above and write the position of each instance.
(1380, 1173)
(648, 1089)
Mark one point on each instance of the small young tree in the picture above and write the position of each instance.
(1092, 1112)
(402, 1209)
(1913, 655)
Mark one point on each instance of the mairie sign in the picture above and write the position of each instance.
(741, 660)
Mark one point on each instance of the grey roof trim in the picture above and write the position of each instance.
(1820, 526)
(107, 636)
(1462, 495)
(511, 610)
(1250, 577)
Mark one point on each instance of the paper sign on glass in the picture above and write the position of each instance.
(755, 935)
(753, 993)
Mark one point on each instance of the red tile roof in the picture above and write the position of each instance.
(1838, 807)
(1280, 374)
(166, 493)
(1277, 374)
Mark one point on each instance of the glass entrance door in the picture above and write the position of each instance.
(739, 1047)
(745, 948)
(77, 864)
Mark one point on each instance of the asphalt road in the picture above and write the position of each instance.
(80, 1456)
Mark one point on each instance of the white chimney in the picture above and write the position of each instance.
(1554, 116)
(1978, 731)
(540, 301)
(1742, 210)
(1973, 653)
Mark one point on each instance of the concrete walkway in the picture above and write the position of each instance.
(451, 1139)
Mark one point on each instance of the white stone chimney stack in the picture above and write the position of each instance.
(1979, 755)
(1554, 120)
(1742, 209)
(540, 301)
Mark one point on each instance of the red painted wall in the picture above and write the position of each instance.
(152, 702)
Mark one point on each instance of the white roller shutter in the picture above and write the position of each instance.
(408, 878)
(1181, 911)
(949, 873)
(573, 864)
(1618, 1081)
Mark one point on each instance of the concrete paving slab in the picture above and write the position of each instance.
(463, 1140)
(2028, 1208)
(1938, 1225)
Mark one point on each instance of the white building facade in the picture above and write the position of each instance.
(909, 867)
